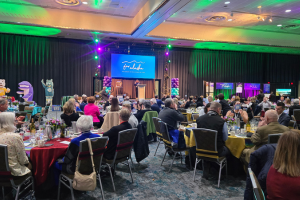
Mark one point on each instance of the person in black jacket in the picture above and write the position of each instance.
(113, 134)
(272, 97)
(213, 121)
(69, 114)
(295, 106)
(199, 102)
(224, 104)
(154, 105)
(283, 118)
(170, 115)
(146, 106)
(260, 96)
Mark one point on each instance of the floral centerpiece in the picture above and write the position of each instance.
(55, 125)
(15, 103)
(231, 122)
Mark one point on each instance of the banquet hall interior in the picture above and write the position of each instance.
(184, 61)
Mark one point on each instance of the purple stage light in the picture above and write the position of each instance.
(99, 66)
(167, 53)
(99, 49)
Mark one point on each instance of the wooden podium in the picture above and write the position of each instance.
(141, 91)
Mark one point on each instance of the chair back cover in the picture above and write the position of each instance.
(206, 142)
(84, 157)
(111, 119)
(148, 118)
(273, 138)
(125, 144)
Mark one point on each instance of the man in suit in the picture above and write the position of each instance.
(104, 94)
(283, 117)
(224, 104)
(260, 96)
(261, 136)
(154, 105)
(158, 101)
(295, 106)
(281, 99)
(113, 134)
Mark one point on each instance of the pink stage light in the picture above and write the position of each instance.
(99, 49)
(99, 66)
(167, 53)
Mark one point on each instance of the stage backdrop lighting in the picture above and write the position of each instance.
(132, 66)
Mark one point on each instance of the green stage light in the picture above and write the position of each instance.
(96, 40)
(169, 46)
(96, 57)
(96, 74)
(169, 61)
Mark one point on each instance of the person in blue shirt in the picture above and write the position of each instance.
(158, 101)
(84, 102)
(68, 163)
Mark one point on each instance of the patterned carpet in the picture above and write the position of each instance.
(152, 181)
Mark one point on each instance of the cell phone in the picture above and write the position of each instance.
(237, 107)
(262, 113)
(97, 96)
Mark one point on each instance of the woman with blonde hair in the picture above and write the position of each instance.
(18, 161)
(283, 180)
(69, 114)
(287, 102)
(75, 104)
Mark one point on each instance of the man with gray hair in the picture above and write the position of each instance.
(76, 98)
(154, 105)
(293, 107)
(68, 162)
(213, 121)
(260, 137)
(132, 119)
(113, 134)
(145, 107)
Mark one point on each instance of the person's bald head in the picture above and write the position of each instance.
(271, 116)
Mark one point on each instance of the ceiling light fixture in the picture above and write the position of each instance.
(84, 2)
(227, 2)
(279, 25)
(258, 6)
(270, 20)
(263, 19)
(288, 10)
(229, 20)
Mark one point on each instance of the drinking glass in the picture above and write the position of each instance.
(58, 134)
(32, 140)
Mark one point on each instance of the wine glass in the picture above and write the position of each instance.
(58, 134)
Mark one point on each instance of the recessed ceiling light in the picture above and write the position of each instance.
(288, 10)
(84, 2)
(258, 6)
(230, 20)
(227, 2)
(279, 25)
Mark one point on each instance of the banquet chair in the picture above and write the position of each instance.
(169, 144)
(257, 191)
(123, 152)
(85, 163)
(159, 135)
(195, 116)
(8, 180)
(22, 107)
(273, 138)
(185, 121)
(206, 149)
(296, 114)
(292, 124)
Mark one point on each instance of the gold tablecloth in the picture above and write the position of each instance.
(188, 116)
(236, 145)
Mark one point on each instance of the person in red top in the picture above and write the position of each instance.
(93, 110)
(283, 180)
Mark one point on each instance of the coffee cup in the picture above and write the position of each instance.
(100, 131)
(41, 143)
(194, 125)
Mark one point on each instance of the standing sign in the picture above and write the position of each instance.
(267, 88)
(56, 108)
(252, 86)
(239, 88)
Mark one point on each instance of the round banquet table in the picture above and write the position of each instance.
(42, 158)
(235, 144)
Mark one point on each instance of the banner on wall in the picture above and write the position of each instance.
(224, 86)
(252, 86)
(239, 88)
(267, 88)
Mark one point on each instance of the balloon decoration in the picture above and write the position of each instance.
(174, 87)
(107, 83)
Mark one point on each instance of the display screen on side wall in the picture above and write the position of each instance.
(267, 88)
(252, 86)
(283, 92)
(224, 86)
(132, 66)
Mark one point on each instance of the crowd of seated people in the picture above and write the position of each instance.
(285, 168)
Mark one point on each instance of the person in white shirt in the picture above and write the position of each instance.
(265, 104)
(132, 119)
